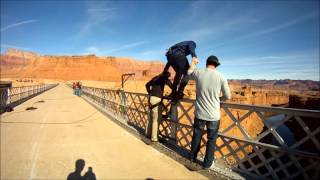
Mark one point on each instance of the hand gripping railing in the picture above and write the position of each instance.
(10, 97)
(255, 141)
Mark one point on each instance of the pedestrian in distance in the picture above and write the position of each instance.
(155, 88)
(79, 88)
(74, 88)
(177, 59)
(209, 85)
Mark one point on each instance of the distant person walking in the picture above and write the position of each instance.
(209, 84)
(177, 58)
(74, 86)
(78, 88)
(155, 88)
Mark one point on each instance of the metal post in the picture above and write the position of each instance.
(174, 117)
(125, 77)
(123, 102)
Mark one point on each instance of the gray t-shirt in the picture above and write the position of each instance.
(209, 83)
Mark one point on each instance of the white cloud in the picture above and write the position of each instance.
(293, 66)
(18, 24)
(101, 10)
(126, 46)
(98, 13)
(273, 29)
(201, 24)
(105, 51)
(273, 60)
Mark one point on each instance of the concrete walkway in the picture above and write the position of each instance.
(45, 142)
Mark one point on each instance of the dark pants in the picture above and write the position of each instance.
(212, 133)
(180, 65)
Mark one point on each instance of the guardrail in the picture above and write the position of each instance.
(11, 97)
(255, 141)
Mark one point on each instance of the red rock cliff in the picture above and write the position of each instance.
(21, 64)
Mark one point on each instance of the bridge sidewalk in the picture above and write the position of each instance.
(45, 142)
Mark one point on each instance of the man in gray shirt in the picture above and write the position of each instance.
(209, 84)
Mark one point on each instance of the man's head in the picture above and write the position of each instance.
(213, 61)
(80, 165)
(165, 74)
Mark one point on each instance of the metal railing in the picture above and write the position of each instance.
(11, 97)
(255, 141)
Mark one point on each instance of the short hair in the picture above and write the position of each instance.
(213, 60)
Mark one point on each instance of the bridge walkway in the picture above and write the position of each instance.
(58, 128)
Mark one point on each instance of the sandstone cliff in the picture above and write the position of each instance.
(20, 64)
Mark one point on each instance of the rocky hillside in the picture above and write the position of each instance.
(285, 84)
(21, 64)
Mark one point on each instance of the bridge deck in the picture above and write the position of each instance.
(44, 143)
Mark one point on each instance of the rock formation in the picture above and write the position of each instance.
(20, 64)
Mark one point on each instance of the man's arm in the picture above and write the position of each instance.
(166, 68)
(192, 47)
(192, 67)
(226, 94)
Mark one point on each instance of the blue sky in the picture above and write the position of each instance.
(252, 39)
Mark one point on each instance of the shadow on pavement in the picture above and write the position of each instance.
(76, 175)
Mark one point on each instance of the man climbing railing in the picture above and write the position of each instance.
(13, 96)
(255, 141)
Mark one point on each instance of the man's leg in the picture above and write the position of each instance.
(196, 138)
(183, 69)
(212, 134)
(154, 111)
(176, 81)
(177, 62)
(183, 84)
(149, 122)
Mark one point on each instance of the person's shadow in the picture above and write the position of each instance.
(76, 175)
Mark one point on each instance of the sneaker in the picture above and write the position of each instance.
(210, 167)
(154, 142)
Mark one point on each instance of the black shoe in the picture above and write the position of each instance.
(193, 167)
(172, 95)
(192, 158)
(179, 95)
(165, 116)
(146, 141)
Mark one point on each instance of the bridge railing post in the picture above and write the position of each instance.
(3, 98)
(175, 119)
(123, 104)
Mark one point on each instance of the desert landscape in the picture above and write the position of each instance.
(74, 103)
(27, 68)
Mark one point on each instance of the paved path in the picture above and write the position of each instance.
(44, 143)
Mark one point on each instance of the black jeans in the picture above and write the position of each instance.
(212, 133)
(180, 65)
